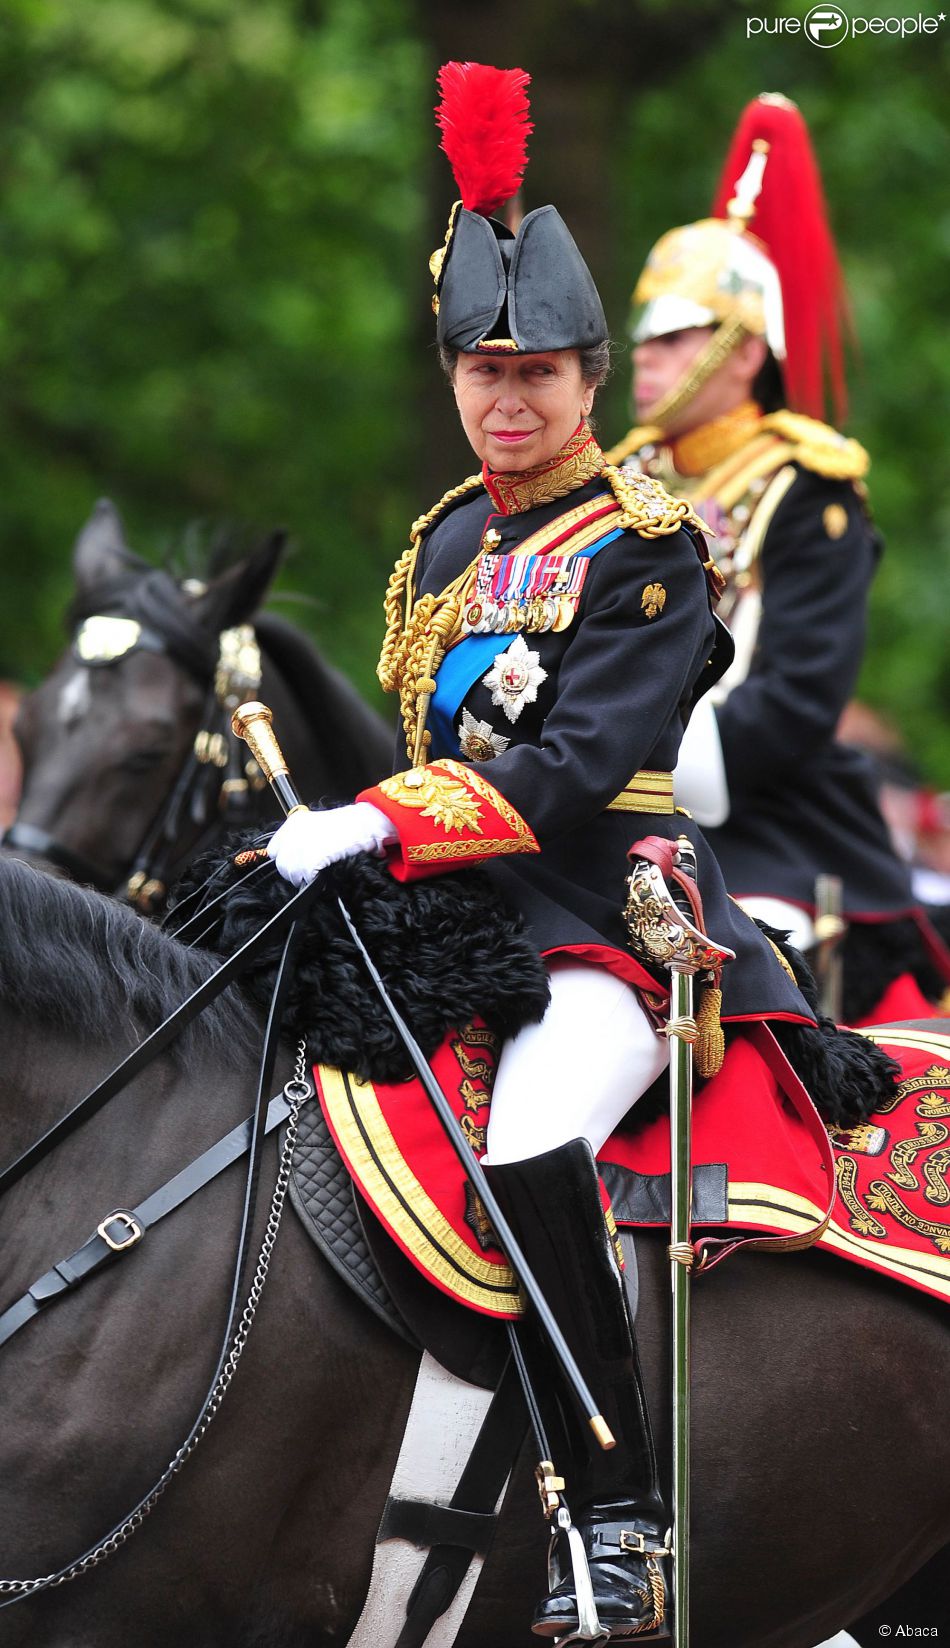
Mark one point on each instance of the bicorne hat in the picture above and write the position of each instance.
(501, 291)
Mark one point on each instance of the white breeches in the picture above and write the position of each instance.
(788, 918)
(576, 1073)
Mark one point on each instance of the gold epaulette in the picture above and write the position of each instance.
(818, 447)
(646, 506)
(645, 435)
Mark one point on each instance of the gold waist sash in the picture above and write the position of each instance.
(647, 792)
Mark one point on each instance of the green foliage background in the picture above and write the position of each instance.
(214, 221)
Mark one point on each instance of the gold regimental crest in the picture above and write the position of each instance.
(864, 1139)
(653, 600)
(443, 799)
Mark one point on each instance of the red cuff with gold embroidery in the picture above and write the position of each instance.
(447, 815)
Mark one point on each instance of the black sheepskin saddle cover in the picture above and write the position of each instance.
(448, 948)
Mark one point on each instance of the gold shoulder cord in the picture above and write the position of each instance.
(646, 506)
(418, 633)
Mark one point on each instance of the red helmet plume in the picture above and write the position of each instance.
(484, 121)
(791, 221)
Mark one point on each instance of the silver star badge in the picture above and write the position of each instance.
(514, 678)
(477, 739)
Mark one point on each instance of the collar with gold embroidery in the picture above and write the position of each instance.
(697, 450)
(578, 461)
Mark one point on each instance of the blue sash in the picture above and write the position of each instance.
(470, 658)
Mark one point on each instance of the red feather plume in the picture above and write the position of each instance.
(791, 220)
(484, 121)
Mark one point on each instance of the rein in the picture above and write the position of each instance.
(252, 1136)
(159, 1039)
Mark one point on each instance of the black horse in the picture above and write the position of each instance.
(130, 767)
(820, 1478)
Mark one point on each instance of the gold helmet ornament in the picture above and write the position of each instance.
(764, 265)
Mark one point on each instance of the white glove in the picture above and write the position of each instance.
(699, 777)
(307, 842)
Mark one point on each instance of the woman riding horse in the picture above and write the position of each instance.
(548, 631)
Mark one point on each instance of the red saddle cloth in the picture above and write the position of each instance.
(891, 1206)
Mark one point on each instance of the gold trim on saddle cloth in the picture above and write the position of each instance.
(387, 1180)
(762, 1204)
(647, 792)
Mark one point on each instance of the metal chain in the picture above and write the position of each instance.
(296, 1091)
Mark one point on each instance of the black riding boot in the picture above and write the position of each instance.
(553, 1204)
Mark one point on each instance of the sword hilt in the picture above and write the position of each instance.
(253, 723)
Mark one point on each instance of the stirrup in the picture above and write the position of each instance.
(605, 1539)
(589, 1628)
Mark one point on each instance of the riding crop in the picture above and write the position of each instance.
(665, 926)
(252, 722)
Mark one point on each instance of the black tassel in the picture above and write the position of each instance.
(847, 1076)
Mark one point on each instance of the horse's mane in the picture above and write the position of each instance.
(75, 961)
(354, 736)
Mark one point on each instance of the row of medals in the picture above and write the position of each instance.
(542, 612)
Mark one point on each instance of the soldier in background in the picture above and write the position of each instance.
(736, 338)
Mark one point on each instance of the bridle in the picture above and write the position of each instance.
(214, 784)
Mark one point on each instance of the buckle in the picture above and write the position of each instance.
(550, 1487)
(127, 1222)
(630, 1540)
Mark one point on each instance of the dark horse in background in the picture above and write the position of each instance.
(130, 767)
(820, 1478)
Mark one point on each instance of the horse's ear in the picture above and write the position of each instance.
(100, 553)
(235, 596)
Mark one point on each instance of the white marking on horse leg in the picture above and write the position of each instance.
(74, 698)
(444, 1420)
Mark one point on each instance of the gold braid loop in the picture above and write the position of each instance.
(397, 603)
(646, 506)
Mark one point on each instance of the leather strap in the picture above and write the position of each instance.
(621, 1539)
(124, 1228)
(658, 850)
(256, 1131)
(426, 1524)
(156, 1043)
(711, 1250)
(479, 1486)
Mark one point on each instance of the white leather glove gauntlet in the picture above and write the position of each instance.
(307, 842)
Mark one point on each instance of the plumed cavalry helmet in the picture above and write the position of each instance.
(497, 291)
(764, 264)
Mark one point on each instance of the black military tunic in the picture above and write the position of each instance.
(800, 551)
(561, 722)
